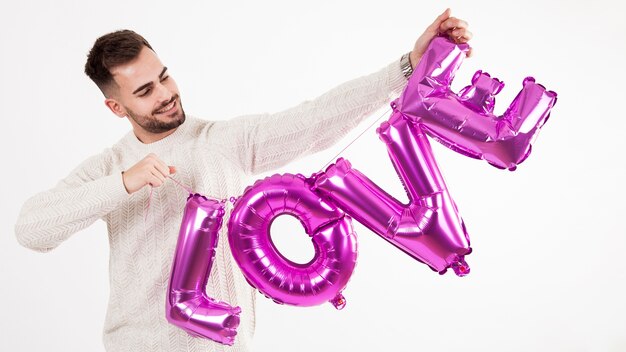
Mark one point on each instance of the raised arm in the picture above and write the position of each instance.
(260, 143)
(264, 142)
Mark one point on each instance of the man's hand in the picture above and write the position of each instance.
(148, 171)
(454, 28)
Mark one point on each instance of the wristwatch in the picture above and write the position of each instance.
(405, 65)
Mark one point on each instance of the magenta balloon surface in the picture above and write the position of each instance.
(188, 306)
(279, 278)
(465, 122)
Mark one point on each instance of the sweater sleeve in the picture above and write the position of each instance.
(264, 142)
(87, 194)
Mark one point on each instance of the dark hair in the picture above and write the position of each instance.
(109, 51)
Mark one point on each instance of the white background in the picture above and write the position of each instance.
(548, 267)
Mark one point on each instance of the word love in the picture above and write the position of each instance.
(428, 228)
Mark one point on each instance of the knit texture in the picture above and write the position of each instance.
(214, 158)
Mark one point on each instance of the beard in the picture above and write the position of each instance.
(151, 123)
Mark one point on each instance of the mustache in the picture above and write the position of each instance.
(176, 96)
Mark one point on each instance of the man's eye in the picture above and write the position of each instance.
(164, 78)
(145, 93)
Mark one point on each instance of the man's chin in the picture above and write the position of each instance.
(162, 127)
(157, 123)
(172, 121)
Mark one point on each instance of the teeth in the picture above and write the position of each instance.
(170, 106)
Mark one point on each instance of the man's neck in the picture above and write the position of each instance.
(146, 137)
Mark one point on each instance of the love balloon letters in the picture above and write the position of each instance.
(428, 228)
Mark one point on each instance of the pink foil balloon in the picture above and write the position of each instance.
(320, 280)
(188, 306)
(429, 227)
(465, 122)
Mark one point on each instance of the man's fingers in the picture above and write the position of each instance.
(154, 181)
(153, 160)
(444, 15)
(452, 23)
(164, 171)
(148, 171)
(461, 35)
(439, 20)
(162, 167)
(157, 174)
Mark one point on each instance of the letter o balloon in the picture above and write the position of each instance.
(273, 274)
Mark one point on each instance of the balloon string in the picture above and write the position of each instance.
(188, 189)
(354, 140)
(233, 199)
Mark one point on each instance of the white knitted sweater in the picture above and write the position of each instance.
(214, 158)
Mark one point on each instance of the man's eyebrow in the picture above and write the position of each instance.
(150, 83)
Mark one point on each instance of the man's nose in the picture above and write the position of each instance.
(163, 93)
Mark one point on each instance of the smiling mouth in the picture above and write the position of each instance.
(167, 108)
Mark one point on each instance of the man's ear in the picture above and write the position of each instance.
(115, 107)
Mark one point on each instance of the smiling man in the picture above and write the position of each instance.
(212, 157)
(139, 87)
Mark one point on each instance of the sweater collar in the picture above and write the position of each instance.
(163, 143)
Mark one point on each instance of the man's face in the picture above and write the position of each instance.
(147, 94)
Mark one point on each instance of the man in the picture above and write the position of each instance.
(212, 157)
